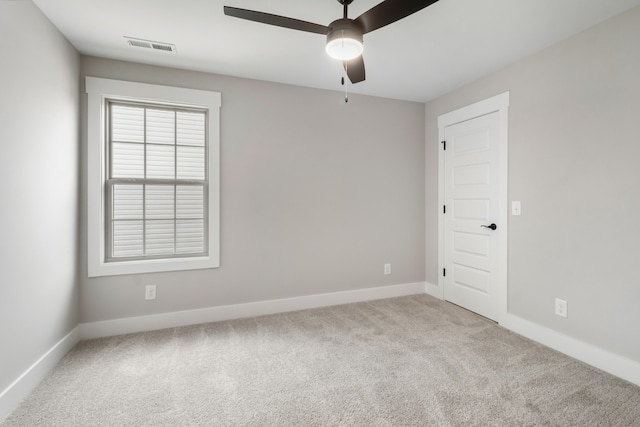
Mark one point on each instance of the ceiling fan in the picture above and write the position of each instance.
(344, 36)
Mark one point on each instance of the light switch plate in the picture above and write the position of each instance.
(516, 209)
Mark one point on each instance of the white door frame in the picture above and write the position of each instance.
(499, 104)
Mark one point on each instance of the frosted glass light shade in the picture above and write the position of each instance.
(344, 48)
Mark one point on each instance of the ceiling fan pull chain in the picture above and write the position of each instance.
(345, 83)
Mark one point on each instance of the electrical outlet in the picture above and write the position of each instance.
(387, 269)
(150, 292)
(561, 308)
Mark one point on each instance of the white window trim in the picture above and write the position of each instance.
(98, 90)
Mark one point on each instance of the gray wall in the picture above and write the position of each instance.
(574, 149)
(39, 191)
(316, 196)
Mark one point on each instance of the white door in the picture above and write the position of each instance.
(471, 212)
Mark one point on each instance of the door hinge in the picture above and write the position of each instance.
(444, 145)
(444, 272)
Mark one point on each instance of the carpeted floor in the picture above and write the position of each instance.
(411, 361)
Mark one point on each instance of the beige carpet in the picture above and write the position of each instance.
(411, 361)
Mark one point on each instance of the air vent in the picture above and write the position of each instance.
(148, 44)
(139, 43)
(166, 47)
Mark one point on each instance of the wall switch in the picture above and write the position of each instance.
(150, 292)
(387, 269)
(561, 307)
(515, 208)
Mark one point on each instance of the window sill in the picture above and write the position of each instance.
(151, 266)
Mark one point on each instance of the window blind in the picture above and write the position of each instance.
(157, 179)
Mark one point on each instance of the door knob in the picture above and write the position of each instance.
(492, 226)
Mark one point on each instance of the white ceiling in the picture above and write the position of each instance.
(432, 52)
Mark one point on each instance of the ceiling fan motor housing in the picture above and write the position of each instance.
(346, 25)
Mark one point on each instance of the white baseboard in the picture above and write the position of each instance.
(600, 358)
(614, 364)
(433, 290)
(228, 312)
(11, 397)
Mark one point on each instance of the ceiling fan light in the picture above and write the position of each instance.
(344, 45)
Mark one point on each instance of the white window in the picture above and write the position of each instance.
(153, 178)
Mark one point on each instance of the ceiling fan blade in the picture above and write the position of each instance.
(277, 20)
(390, 11)
(355, 69)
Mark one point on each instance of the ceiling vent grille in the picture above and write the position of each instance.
(166, 47)
(148, 44)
